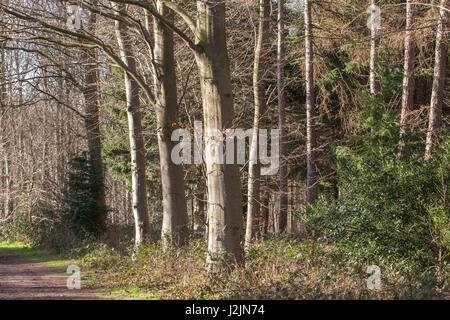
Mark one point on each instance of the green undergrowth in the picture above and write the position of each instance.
(281, 267)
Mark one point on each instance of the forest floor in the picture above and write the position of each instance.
(28, 274)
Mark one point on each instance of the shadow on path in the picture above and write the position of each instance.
(21, 279)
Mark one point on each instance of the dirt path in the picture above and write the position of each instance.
(21, 279)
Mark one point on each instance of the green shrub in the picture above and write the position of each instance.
(392, 208)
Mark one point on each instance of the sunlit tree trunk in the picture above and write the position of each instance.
(175, 217)
(440, 62)
(282, 118)
(374, 40)
(310, 110)
(408, 78)
(137, 148)
(254, 168)
(223, 180)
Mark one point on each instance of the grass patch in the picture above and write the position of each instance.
(30, 253)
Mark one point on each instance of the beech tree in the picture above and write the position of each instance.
(137, 149)
(209, 46)
(175, 219)
(223, 180)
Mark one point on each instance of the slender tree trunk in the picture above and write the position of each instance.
(137, 149)
(175, 217)
(310, 110)
(92, 121)
(374, 40)
(440, 63)
(6, 205)
(59, 136)
(223, 180)
(254, 167)
(2, 77)
(3, 141)
(408, 78)
(282, 118)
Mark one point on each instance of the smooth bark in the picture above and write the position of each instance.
(137, 149)
(223, 180)
(175, 217)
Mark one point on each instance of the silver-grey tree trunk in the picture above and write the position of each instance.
(408, 78)
(254, 167)
(374, 40)
(282, 118)
(223, 180)
(310, 110)
(137, 148)
(440, 62)
(175, 218)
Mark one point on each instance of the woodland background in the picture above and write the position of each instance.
(85, 123)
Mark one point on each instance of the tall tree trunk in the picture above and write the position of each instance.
(223, 180)
(310, 110)
(137, 149)
(254, 168)
(2, 77)
(408, 78)
(92, 120)
(175, 217)
(5, 205)
(3, 142)
(374, 40)
(282, 118)
(438, 82)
